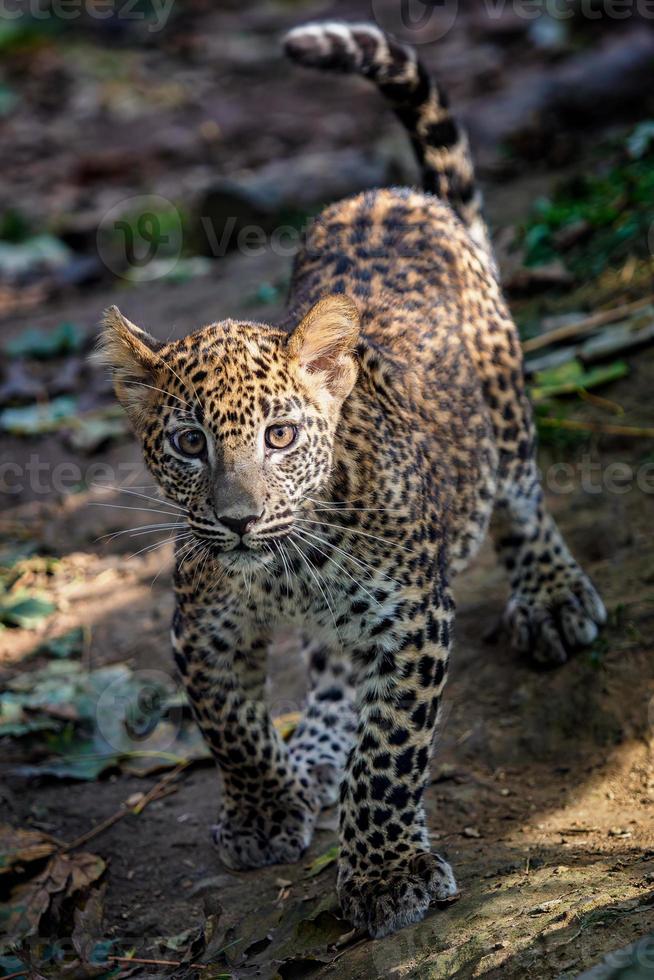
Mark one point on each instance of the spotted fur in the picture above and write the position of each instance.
(398, 370)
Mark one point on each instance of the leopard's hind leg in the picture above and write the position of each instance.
(554, 607)
(322, 741)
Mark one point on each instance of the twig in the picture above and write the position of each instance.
(606, 403)
(96, 831)
(160, 786)
(612, 430)
(135, 959)
(348, 949)
(586, 325)
(160, 789)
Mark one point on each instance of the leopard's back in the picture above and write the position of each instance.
(432, 312)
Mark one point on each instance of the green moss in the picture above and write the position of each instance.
(612, 208)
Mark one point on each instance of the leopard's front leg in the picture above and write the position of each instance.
(388, 874)
(268, 805)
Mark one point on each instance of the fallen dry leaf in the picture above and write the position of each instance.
(65, 876)
(19, 846)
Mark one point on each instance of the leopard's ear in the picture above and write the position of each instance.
(324, 344)
(131, 355)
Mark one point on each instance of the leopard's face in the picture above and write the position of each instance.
(249, 444)
(238, 420)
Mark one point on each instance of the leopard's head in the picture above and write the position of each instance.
(238, 420)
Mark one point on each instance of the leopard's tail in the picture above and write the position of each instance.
(440, 143)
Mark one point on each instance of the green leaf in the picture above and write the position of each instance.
(69, 644)
(31, 420)
(571, 377)
(84, 762)
(323, 861)
(11, 556)
(266, 293)
(8, 100)
(41, 253)
(25, 610)
(642, 138)
(11, 966)
(91, 432)
(67, 338)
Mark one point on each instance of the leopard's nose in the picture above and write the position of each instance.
(239, 525)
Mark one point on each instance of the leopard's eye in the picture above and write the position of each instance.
(281, 436)
(189, 442)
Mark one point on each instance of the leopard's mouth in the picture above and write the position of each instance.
(257, 548)
(218, 548)
(244, 557)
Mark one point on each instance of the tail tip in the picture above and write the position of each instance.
(302, 45)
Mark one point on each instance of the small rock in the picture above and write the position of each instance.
(471, 832)
(545, 907)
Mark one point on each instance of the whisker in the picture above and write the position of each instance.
(161, 527)
(192, 551)
(148, 510)
(366, 566)
(334, 562)
(282, 555)
(358, 510)
(149, 548)
(142, 529)
(169, 539)
(351, 530)
(133, 492)
(350, 506)
(340, 503)
(350, 557)
(142, 384)
(218, 580)
(317, 581)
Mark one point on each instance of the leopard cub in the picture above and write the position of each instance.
(334, 472)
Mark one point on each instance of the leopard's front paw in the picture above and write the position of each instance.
(257, 840)
(386, 901)
(556, 617)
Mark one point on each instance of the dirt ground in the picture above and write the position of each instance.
(542, 791)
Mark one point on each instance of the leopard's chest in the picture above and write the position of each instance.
(339, 602)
